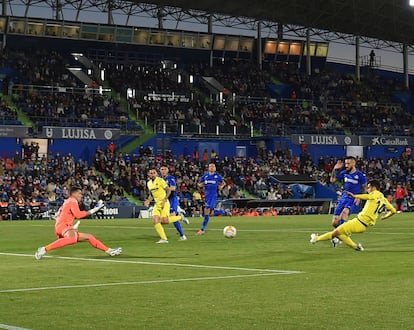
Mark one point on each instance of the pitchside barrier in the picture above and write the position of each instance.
(309, 205)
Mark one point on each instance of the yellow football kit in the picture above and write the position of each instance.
(157, 188)
(375, 204)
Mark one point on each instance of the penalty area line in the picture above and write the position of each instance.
(122, 261)
(11, 327)
(137, 283)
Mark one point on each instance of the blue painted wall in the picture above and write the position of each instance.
(85, 149)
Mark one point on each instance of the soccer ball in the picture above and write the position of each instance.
(229, 231)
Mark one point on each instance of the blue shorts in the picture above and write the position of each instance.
(174, 205)
(345, 202)
(355, 209)
(211, 202)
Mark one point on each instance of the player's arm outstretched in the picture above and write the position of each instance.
(391, 210)
(357, 201)
(364, 197)
(97, 207)
(338, 166)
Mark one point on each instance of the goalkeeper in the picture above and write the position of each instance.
(67, 233)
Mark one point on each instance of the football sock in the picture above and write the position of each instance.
(160, 231)
(177, 226)
(324, 237)
(174, 218)
(341, 222)
(205, 222)
(97, 244)
(347, 240)
(61, 242)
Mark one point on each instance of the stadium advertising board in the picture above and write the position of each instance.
(14, 131)
(115, 212)
(173, 97)
(80, 133)
(315, 139)
(386, 140)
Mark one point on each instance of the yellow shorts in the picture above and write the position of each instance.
(161, 211)
(351, 226)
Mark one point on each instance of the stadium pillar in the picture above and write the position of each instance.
(4, 8)
(280, 31)
(357, 64)
(210, 24)
(259, 44)
(405, 65)
(210, 31)
(308, 57)
(58, 10)
(160, 17)
(110, 18)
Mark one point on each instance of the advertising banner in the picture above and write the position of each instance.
(14, 131)
(319, 139)
(386, 140)
(80, 133)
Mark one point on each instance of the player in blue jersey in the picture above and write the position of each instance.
(354, 181)
(212, 182)
(173, 199)
(175, 208)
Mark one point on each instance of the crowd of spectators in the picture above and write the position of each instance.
(70, 109)
(171, 115)
(32, 184)
(252, 176)
(143, 77)
(287, 117)
(37, 66)
(8, 115)
(44, 89)
(243, 78)
(327, 101)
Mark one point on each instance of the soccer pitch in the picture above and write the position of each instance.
(268, 277)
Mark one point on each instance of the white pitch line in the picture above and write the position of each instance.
(137, 283)
(303, 230)
(11, 327)
(122, 261)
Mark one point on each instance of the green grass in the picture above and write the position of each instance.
(268, 277)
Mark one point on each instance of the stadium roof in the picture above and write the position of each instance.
(391, 20)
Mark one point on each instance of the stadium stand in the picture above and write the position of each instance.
(277, 99)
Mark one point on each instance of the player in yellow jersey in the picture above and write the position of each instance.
(375, 205)
(159, 192)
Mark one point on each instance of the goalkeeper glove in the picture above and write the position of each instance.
(97, 207)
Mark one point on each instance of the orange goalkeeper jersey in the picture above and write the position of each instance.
(69, 211)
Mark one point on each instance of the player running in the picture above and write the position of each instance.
(212, 182)
(173, 199)
(159, 192)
